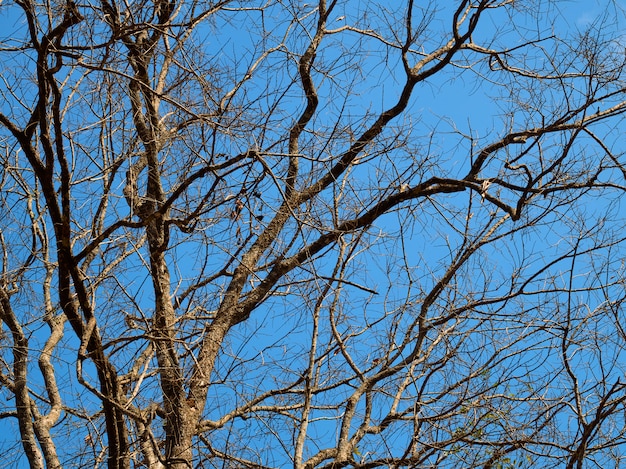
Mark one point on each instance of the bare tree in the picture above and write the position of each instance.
(341, 234)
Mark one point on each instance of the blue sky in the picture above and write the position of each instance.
(446, 115)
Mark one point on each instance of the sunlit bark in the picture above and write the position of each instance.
(254, 240)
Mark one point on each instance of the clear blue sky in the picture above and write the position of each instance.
(457, 105)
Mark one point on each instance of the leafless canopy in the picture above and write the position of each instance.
(312, 235)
